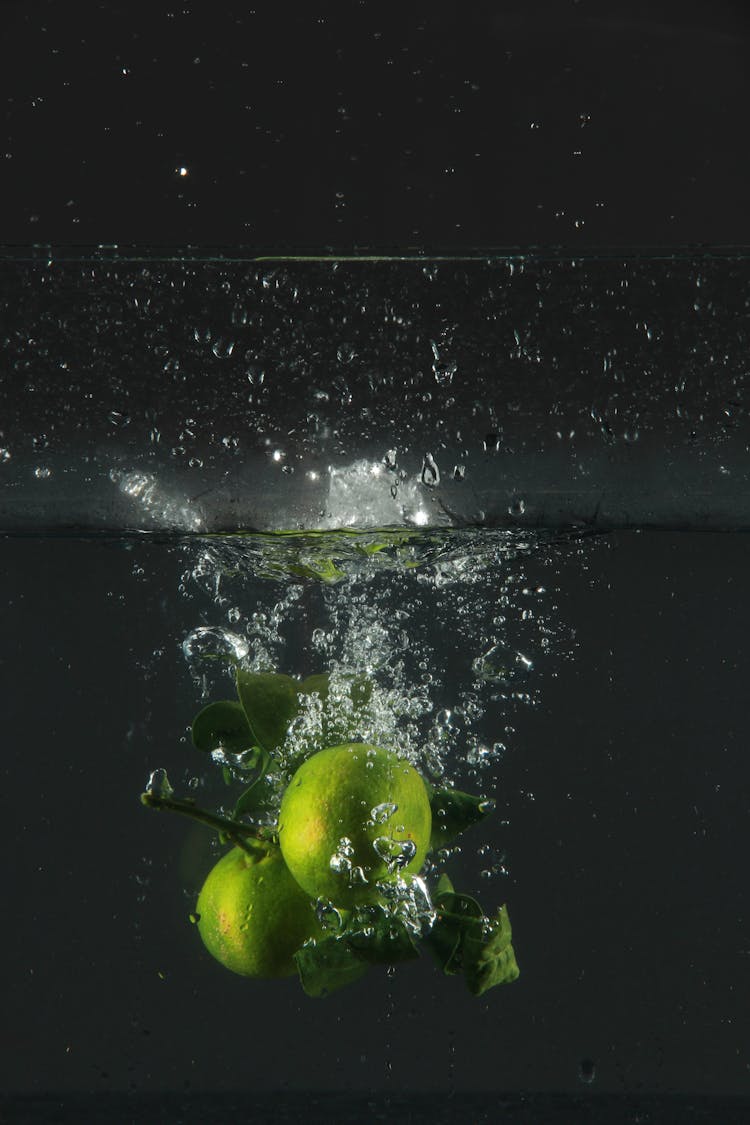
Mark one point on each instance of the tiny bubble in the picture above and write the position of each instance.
(587, 1071)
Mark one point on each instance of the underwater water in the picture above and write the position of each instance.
(594, 687)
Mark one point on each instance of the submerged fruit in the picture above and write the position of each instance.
(351, 816)
(252, 915)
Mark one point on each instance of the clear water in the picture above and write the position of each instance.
(614, 750)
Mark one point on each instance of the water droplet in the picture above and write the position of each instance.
(117, 418)
(194, 918)
(430, 471)
(222, 348)
(345, 353)
(587, 1071)
(517, 506)
(41, 472)
(5, 455)
(444, 371)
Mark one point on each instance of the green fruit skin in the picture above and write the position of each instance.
(330, 797)
(252, 915)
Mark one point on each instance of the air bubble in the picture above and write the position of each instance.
(396, 854)
(340, 861)
(212, 643)
(159, 785)
(501, 665)
(381, 813)
(328, 916)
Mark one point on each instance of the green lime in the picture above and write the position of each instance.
(252, 915)
(351, 816)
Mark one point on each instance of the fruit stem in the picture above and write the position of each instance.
(233, 830)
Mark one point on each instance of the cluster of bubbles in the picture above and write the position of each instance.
(453, 634)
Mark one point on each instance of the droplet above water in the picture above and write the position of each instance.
(430, 471)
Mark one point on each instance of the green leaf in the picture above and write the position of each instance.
(270, 702)
(464, 940)
(328, 965)
(488, 958)
(383, 540)
(383, 941)
(316, 684)
(444, 942)
(324, 570)
(222, 724)
(457, 915)
(452, 813)
(258, 793)
(444, 887)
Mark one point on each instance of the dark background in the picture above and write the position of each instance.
(572, 122)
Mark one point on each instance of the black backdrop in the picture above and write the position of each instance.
(438, 124)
